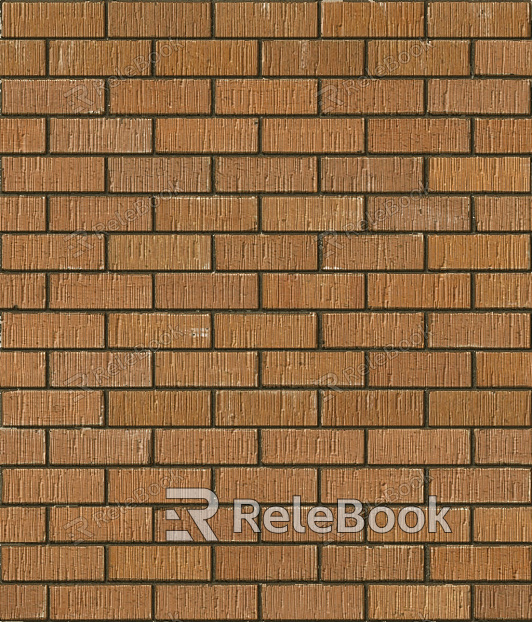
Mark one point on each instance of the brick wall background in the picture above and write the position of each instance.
(272, 249)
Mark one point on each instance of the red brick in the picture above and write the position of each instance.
(53, 19)
(22, 135)
(276, 19)
(22, 213)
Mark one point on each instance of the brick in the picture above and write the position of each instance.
(52, 330)
(479, 252)
(100, 369)
(266, 484)
(496, 602)
(22, 213)
(158, 174)
(503, 524)
(375, 563)
(418, 58)
(52, 408)
(314, 213)
(372, 408)
(202, 369)
(371, 330)
(266, 174)
(426, 291)
(99, 58)
(479, 408)
(160, 20)
(22, 446)
(207, 58)
(212, 213)
(275, 19)
(312, 135)
(507, 58)
(312, 368)
(367, 96)
(476, 20)
(52, 563)
(504, 369)
(418, 135)
(22, 524)
(266, 96)
(372, 485)
(389, 19)
(480, 485)
(22, 135)
(266, 563)
(403, 602)
(313, 291)
(503, 446)
(317, 57)
(266, 408)
(207, 601)
(143, 563)
(408, 369)
(100, 291)
(98, 214)
(22, 369)
(385, 174)
(52, 96)
(100, 602)
(478, 96)
(312, 446)
(266, 330)
(152, 96)
(53, 486)
(479, 174)
(372, 252)
(36, 174)
(206, 447)
(100, 136)
(503, 290)
(512, 213)
(22, 601)
(159, 408)
(53, 19)
(207, 135)
(444, 446)
(503, 136)
(266, 252)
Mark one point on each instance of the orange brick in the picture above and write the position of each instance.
(22, 135)
(266, 330)
(160, 96)
(479, 174)
(266, 174)
(426, 291)
(503, 446)
(22, 446)
(159, 408)
(480, 485)
(23, 601)
(372, 408)
(504, 369)
(266, 408)
(504, 524)
(22, 369)
(22, 524)
(432, 369)
(507, 58)
(442, 446)
(276, 19)
(19, 213)
(207, 135)
(372, 330)
(312, 446)
(53, 486)
(266, 563)
(264, 96)
(475, 20)
(202, 369)
(52, 408)
(478, 96)
(53, 19)
(418, 135)
(313, 368)
(101, 369)
(390, 19)
(100, 136)
(503, 290)
(312, 135)
(266, 252)
(503, 136)
(100, 602)
(503, 214)
(143, 563)
(496, 602)
(52, 563)
(373, 252)
(479, 252)
(312, 57)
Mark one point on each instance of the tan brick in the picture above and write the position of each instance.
(22, 601)
(202, 369)
(53, 19)
(100, 602)
(152, 96)
(480, 485)
(266, 330)
(479, 408)
(266, 408)
(496, 602)
(504, 524)
(266, 174)
(503, 136)
(480, 563)
(22, 136)
(386, 174)
(266, 563)
(312, 57)
(418, 135)
(275, 19)
(266, 96)
(507, 58)
(504, 369)
(22, 524)
(503, 214)
(312, 135)
(22, 369)
(144, 563)
(503, 290)
(19, 213)
(159, 408)
(22, 446)
(207, 135)
(503, 446)
(479, 174)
